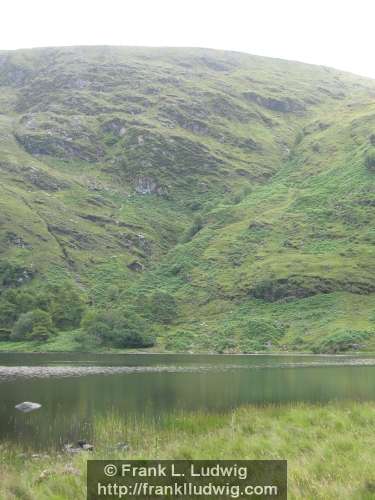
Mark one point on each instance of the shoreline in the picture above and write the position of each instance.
(208, 353)
(322, 460)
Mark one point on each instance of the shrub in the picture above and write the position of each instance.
(181, 340)
(29, 326)
(257, 335)
(14, 302)
(370, 160)
(299, 137)
(225, 345)
(163, 307)
(241, 195)
(12, 275)
(117, 328)
(341, 341)
(4, 334)
(23, 326)
(67, 306)
(194, 205)
(196, 226)
(40, 333)
(113, 293)
(8, 313)
(98, 325)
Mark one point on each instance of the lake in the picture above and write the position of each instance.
(74, 387)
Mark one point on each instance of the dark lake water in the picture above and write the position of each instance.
(72, 387)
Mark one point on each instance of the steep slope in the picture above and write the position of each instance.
(242, 186)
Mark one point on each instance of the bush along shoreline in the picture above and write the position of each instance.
(64, 317)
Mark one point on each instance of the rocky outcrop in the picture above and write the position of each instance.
(46, 182)
(116, 126)
(64, 137)
(135, 243)
(148, 185)
(38, 178)
(17, 241)
(286, 105)
(291, 288)
(136, 266)
(300, 287)
(57, 146)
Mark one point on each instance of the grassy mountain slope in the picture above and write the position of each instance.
(242, 186)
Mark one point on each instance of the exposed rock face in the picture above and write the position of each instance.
(97, 219)
(136, 266)
(291, 288)
(39, 179)
(116, 126)
(135, 243)
(148, 185)
(300, 287)
(186, 121)
(64, 137)
(60, 147)
(286, 105)
(257, 225)
(44, 181)
(17, 241)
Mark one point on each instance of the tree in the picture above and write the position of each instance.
(25, 301)
(40, 332)
(8, 313)
(4, 334)
(12, 275)
(14, 302)
(31, 325)
(370, 160)
(67, 306)
(117, 328)
(98, 325)
(22, 327)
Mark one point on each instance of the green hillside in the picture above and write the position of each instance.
(188, 199)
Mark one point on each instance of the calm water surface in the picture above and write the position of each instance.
(72, 387)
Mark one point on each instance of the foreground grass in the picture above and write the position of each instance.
(330, 449)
